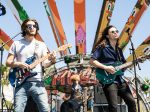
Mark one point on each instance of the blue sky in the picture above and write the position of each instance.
(122, 11)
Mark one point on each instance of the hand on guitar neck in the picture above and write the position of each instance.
(106, 77)
(52, 57)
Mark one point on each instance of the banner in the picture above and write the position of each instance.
(61, 37)
(80, 26)
(104, 20)
(4, 38)
(132, 22)
(143, 49)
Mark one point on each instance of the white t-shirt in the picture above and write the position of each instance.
(23, 50)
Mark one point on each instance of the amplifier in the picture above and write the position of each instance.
(104, 108)
(99, 96)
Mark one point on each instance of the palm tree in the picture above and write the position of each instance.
(4, 82)
(4, 74)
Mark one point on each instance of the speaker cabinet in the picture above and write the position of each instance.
(104, 108)
(99, 96)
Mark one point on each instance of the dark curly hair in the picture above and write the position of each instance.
(104, 39)
(23, 26)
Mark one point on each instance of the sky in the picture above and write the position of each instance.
(122, 10)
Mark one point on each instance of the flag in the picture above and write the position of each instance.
(132, 22)
(80, 26)
(57, 21)
(4, 38)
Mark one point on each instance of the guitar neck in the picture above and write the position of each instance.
(126, 65)
(40, 60)
(36, 62)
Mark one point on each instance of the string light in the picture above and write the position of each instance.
(144, 87)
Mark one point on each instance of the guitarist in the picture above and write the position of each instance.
(19, 52)
(108, 52)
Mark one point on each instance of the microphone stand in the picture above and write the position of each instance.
(1, 87)
(135, 74)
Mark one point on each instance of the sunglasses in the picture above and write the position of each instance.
(30, 26)
(115, 31)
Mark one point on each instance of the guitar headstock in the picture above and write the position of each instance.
(64, 47)
(147, 56)
(143, 58)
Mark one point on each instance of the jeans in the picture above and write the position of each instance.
(113, 90)
(34, 89)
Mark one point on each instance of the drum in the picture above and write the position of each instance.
(31, 106)
(71, 105)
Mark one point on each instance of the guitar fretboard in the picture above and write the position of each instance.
(124, 65)
(36, 62)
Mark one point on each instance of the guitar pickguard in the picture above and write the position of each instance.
(18, 76)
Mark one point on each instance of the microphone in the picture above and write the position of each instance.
(2, 10)
(128, 30)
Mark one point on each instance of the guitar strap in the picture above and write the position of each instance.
(35, 50)
(120, 79)
(36, 54)
(118, 55)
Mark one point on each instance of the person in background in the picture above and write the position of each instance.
(108, 52)
(21, 55)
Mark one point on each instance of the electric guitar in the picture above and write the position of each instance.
(18, 76)
(106, 78)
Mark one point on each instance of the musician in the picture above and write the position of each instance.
(108, 52)
(22, 53)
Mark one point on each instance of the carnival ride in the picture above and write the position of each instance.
(58, 77)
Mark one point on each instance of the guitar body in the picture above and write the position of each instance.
(18, 75)
(107, 78)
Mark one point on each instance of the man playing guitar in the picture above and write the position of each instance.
(21, 55)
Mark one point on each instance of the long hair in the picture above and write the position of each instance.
(104, 39)
(23, 26)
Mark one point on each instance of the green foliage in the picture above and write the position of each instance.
(5, 81)
(4, 71)
(3, 68)
(8, 104)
